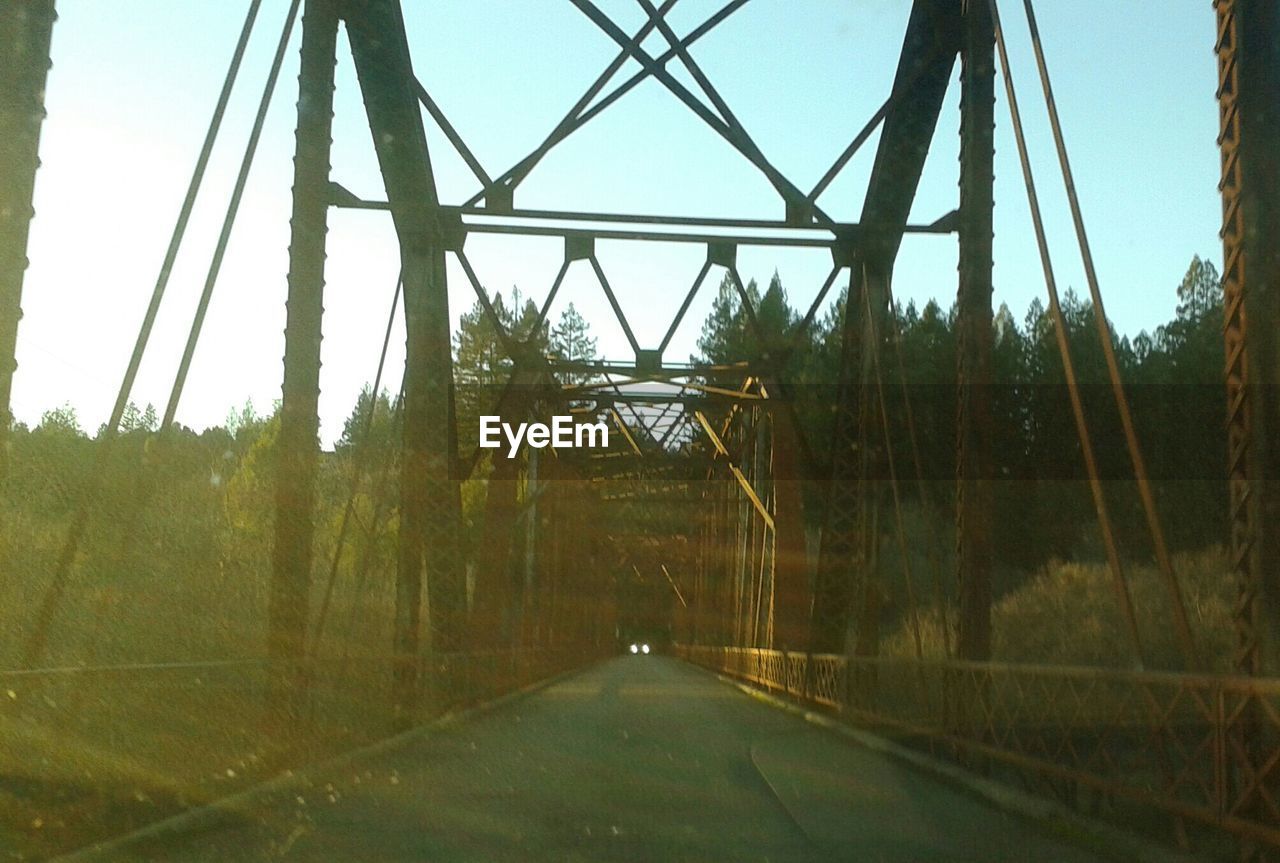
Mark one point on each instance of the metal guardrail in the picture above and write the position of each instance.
(1204, 749)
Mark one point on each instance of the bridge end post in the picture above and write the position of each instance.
(26, 33)
(298, 446)
(430, 501)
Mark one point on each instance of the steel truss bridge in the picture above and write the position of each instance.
(721, 446)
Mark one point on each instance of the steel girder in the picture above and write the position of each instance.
(793, 596)
(925, 67)
(288, 611)
(974, 425)
(910, 117)
(26, 31)
(430, 502)
(430, 493)
(1248, 48)
(1249, 99)
(924, 72)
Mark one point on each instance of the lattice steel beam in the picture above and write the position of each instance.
(1248, 49)
(924, 71)
(500, 195)
(833, 588)
(727, 127)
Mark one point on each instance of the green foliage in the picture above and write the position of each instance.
(248, 496)
(481, 362)
(374, 422)
(726, 333)
(244, 425)
(135, 419)
(202, 537)
(571, 338)
(1067, 614)
(571, 341)
(1044, 510)
(60, 421)
(478, 353)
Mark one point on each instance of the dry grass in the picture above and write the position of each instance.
(1068, 614)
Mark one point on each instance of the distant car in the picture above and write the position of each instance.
(639, 647)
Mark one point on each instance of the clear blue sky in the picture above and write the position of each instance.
(132, 87)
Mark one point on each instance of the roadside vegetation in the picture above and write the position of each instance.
(175, 562)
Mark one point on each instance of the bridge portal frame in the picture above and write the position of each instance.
(938, 32)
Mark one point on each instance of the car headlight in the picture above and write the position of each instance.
(644, 648)
(635, 649)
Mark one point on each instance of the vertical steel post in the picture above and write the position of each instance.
(1248, 49)
(833, 587)
(26, 32)
(491, 611)
(723, 572)
(297, 446)
(547, 542)
(430, 502)
(872, 458)
(579, 571)
(974, 491)
(793, 596)
(708, 626)
(429, 505)
(530, 592)
(924, 71)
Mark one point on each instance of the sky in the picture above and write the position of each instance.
(133, 85)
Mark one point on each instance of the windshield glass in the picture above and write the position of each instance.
(592, 430)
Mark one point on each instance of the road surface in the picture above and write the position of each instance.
(639, 758)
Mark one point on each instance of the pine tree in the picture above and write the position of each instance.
(571, 341)
(726, 335)
(479, 356)
(61, 420)
(382, 432)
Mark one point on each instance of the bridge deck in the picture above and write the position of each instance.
(635, 759)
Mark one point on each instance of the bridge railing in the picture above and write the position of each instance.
(1203, 749)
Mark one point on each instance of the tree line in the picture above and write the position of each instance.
(209, 518)
(1173, 379)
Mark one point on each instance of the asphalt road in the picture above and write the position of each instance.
(640, 758)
